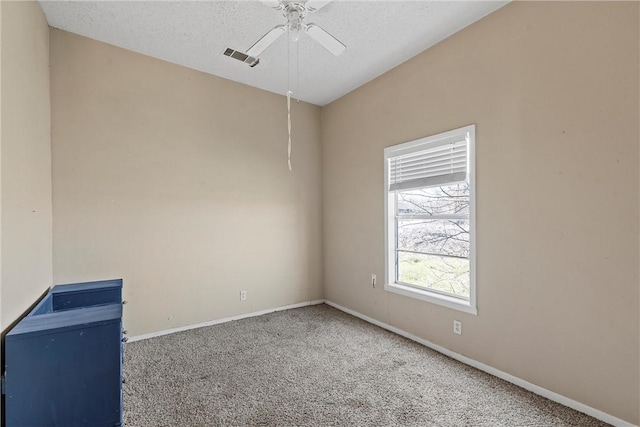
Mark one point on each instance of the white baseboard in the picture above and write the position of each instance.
(223, 320)
(595, 413)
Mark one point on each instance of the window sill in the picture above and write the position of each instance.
(432, 297)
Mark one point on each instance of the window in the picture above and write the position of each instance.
(430, 219)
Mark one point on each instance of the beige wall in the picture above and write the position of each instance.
(553, 90)
(25, 191)
(177, 182)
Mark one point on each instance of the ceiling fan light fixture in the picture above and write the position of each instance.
(295, 13)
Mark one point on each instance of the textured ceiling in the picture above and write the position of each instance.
(379, 35)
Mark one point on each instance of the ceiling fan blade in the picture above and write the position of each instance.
(266, 40)
(272, 3)
(329, 42)
(313, 5)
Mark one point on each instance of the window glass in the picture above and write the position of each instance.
(450, 199)
(442, 274)
(438, 237)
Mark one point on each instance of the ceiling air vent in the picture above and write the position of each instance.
(242, 57)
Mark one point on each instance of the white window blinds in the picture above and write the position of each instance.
(435, 163)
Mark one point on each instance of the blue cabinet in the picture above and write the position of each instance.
(63, 361)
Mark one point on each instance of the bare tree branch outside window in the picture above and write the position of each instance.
(433, 238)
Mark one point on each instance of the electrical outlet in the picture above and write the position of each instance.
(243, 295)
(373, 280)
(457, 327)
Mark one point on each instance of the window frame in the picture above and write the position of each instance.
(390, 283)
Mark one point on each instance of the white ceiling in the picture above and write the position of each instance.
(379, 35)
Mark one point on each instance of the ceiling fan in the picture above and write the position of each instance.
(295, 12)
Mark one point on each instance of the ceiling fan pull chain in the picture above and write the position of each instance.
(289, 127)
(298, 72)
(289, 93)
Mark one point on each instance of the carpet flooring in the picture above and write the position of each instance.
(317, 366)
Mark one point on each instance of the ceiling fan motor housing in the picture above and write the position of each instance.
(294, 12)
